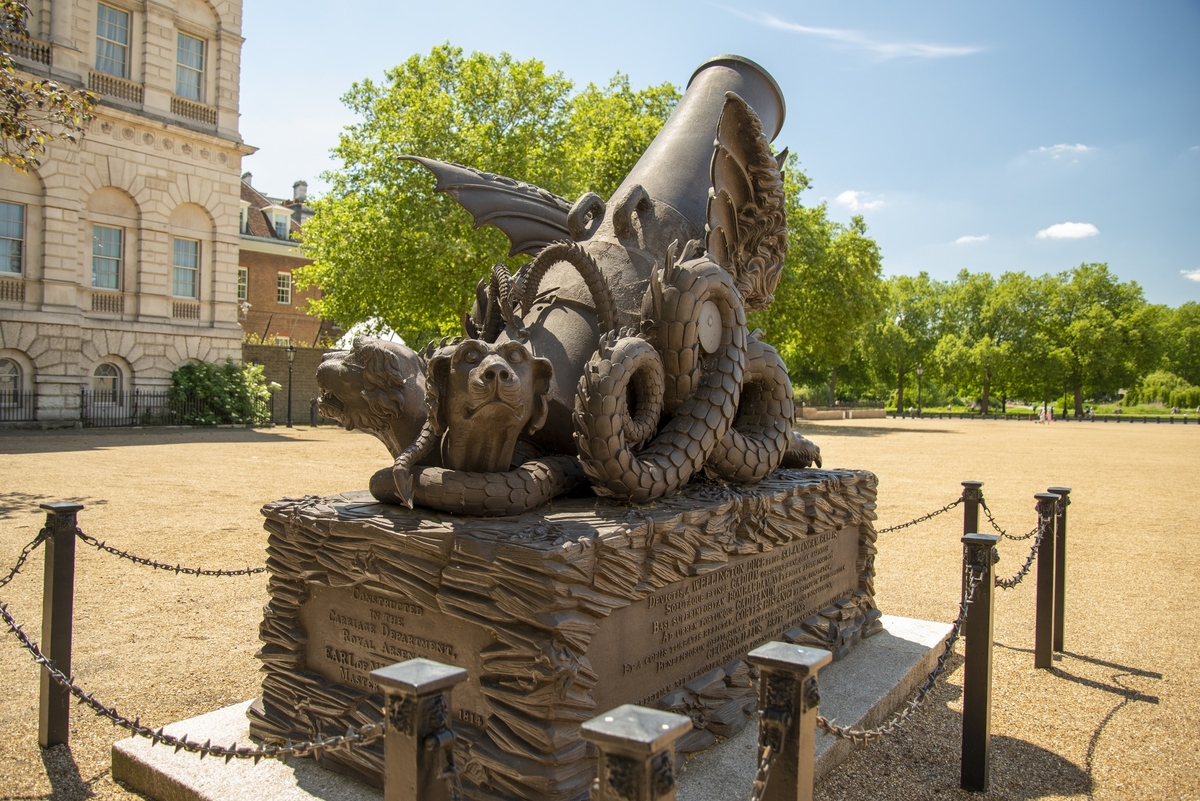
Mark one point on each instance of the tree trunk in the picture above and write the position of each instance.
(1078, 400)
(832, 385)
(899, 390)
(987, 391)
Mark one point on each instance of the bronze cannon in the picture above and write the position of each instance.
(619, 355)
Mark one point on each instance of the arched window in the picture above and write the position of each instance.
(10, 382)
(106, 384)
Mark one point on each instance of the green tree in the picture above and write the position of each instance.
(830, 293)
(1181, 335)
(1108, 335)
(973, 354)
(907, 330)
(33, 112)
(386, 247)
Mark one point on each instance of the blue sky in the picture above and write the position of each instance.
(989, 137)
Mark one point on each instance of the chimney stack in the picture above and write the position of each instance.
(246, 178)
(300, 191)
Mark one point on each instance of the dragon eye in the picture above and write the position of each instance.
(471, 355)
(515, 355)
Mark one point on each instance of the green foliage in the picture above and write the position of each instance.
(1181, 341)
(387, 248)
(906, 332)
(1165, 388)
(203, 393)
(34, 112)
(830, 292)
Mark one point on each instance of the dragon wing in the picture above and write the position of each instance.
(747, 220)
(529, 216)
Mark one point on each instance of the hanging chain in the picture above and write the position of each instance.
(863, 736)
(177, 569)
(362, 736)
(922, 518)
(766, 756)
(25, 552)
(988, 514)
(1044, 525)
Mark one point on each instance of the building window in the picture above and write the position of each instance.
(283, 288)
(243, 226)
(112, 41)
(106, 384)
(12, 237)
(10, 382)
(283, 342)
(106, 257)
(185, 279)
(281, 227)
(243, 283)
(189, 68)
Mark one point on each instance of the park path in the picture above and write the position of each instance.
(1113, 720)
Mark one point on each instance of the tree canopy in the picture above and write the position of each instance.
(32, 113)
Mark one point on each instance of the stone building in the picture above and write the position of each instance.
(271, 309)
(119, 256)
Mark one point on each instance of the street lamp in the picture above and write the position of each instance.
(920, 372)
(291, 357)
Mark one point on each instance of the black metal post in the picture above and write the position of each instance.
(1043, 639)
(979, 553)
(418, 749)
(58, 607)
(972, 494)
(788, 698)
(637, 753)
(1060, 564)
(291, 357)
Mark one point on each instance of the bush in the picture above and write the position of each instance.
(203, 393)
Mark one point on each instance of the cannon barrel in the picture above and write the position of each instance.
(674, 170)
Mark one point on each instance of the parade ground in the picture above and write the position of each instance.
(1113, 719)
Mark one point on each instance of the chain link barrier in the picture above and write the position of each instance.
(988, 514)
(33, 545)
(176, 569)
(766, 756)
(1044, 526)
(363, 736)
(921, 519)
(863, 736)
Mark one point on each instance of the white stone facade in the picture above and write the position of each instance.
(158, 174)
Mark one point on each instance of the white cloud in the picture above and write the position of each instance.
(861, 40)
(1191, 274)
(857, 201)
(1058, 151)
(967, 240)
(1068, 230)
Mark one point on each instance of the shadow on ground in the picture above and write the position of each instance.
(834, 430)
(92, 439)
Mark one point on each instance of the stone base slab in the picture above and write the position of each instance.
(862, 690)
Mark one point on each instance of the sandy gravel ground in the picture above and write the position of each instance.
(1115, 718)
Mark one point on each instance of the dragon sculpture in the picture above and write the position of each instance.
(619, 356)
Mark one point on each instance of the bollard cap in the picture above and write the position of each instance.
(418, 676)
(635, 729)
(986, 540)
(972, 484)
(790, 658)
(1060, 490)
(61, 507)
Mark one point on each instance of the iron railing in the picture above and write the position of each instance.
(18, 407)
(100, 409)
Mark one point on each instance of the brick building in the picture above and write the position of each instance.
(119, 256)
(271, 309)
